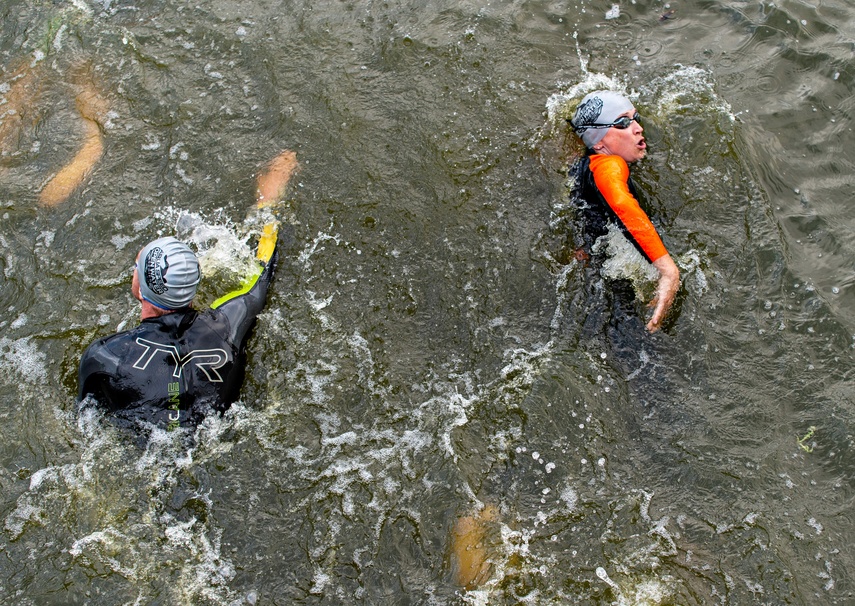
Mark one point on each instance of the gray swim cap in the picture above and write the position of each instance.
(598, 107)
(168, 273)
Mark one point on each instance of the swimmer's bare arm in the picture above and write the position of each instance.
(243, 305)
(272, 182)
(666, 290)
(270, 189)
(93, 108)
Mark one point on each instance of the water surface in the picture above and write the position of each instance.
(430, 345)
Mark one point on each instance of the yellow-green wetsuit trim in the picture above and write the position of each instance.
(266, 246)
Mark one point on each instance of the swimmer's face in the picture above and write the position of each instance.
(135, 283)
(628, 143)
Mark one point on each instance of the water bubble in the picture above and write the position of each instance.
(649, 48)
(604, 576)
(569, 496)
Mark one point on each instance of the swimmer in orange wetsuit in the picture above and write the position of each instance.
(609, 127)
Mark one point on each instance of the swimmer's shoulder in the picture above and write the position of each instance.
(609, 164)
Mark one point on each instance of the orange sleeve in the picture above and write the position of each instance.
(611, 174)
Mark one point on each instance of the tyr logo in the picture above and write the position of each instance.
(207, 360)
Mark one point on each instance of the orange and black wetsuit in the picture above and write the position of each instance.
(608, 195)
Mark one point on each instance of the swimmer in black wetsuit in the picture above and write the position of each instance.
(609, 126)
(180, 364)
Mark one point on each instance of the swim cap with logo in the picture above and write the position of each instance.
(598, 107)
(168, 273)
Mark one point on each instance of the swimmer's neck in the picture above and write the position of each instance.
(152, 311)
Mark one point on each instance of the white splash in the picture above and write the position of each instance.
(625, 262)
(23, 359)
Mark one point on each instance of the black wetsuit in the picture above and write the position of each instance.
(172, 370)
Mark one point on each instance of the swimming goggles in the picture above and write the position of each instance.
(621, 123)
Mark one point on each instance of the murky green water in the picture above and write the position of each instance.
(429, 344)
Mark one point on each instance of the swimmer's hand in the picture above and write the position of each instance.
(274, 178)
(666, 291)
(271, 187)
(267, 242)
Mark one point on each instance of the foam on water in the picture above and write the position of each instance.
(113, 503)
(317, 246)
(120, 242)
(691, 271)
(623, 261)
(222, 250)
(365, 470)
(687, 88)
(22, 361)
(560, 106)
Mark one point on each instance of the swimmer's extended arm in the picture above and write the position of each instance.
(254, 286)
(244, 304)
(611, 174)
(92, 107)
